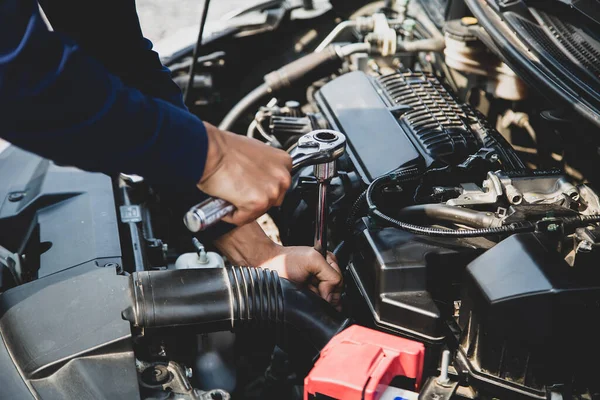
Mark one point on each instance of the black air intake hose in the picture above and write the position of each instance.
(232, 298)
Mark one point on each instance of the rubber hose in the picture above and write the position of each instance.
(310, 67)
(232, 298)
(243, 105)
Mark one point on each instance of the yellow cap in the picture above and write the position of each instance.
(468, 21)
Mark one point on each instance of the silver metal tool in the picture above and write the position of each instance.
(320, 147)
(323, 173)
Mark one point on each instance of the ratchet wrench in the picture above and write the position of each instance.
(318, 147)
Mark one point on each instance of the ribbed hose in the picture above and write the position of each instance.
(355, 210)
(232, 298)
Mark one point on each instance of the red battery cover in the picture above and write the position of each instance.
(359, 363)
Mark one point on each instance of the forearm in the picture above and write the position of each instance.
(247, 245)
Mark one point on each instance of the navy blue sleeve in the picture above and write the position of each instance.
(58, 101)
(110, 32)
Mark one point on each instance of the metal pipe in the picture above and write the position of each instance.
(435, 45)
(338, 30)
(458, 215)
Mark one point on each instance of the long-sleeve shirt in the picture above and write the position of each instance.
(92, 93)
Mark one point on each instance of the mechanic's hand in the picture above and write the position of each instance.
(245, 172)
(249, 245)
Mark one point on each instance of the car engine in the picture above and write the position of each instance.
(463, 214)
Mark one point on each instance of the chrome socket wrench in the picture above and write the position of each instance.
(319, 148)
(323, 173)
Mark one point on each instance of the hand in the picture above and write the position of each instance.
(306, 266)
(249, 245)
(245, 172)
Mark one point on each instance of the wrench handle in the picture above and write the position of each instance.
(207, 213)
(318, 147)
(204, 215)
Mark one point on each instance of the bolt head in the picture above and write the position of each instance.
(16, 196)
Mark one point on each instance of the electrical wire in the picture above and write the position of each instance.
(520, 227)
(196, 53)
(439, 232)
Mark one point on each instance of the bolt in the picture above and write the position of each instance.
(111, 265)
(202, 256)
(188, 372)
(494, 158)
(16, 196)
(552, 227)
(445, 364)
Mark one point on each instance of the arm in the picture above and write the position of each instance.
(249, 245)
(62, 104)
(110, 31)
(58, 102)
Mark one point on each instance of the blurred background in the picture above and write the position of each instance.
(161, 19)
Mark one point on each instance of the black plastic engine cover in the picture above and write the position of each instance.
(57, 217)
(376, 143)
(62, 337)
(404, 119)
(406, 281)
(529, 321)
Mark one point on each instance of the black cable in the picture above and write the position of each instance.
(526, 226)
(427, 231)
(196, 52)
(400, 176)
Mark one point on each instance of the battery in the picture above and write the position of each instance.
(359, 363)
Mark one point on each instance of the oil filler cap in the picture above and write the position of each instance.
(359, 363)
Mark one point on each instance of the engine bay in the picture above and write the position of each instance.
(463, 214)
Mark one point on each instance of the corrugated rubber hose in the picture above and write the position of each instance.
(231, 298)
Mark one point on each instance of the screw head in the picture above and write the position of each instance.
(16, 196)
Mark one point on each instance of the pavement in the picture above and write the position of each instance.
(163, 18)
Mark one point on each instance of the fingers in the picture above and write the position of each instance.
(328, 274)
(246, 173)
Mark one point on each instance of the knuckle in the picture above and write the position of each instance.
(286, 180)
(337, 280)
(274, 192)
(257, 201)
